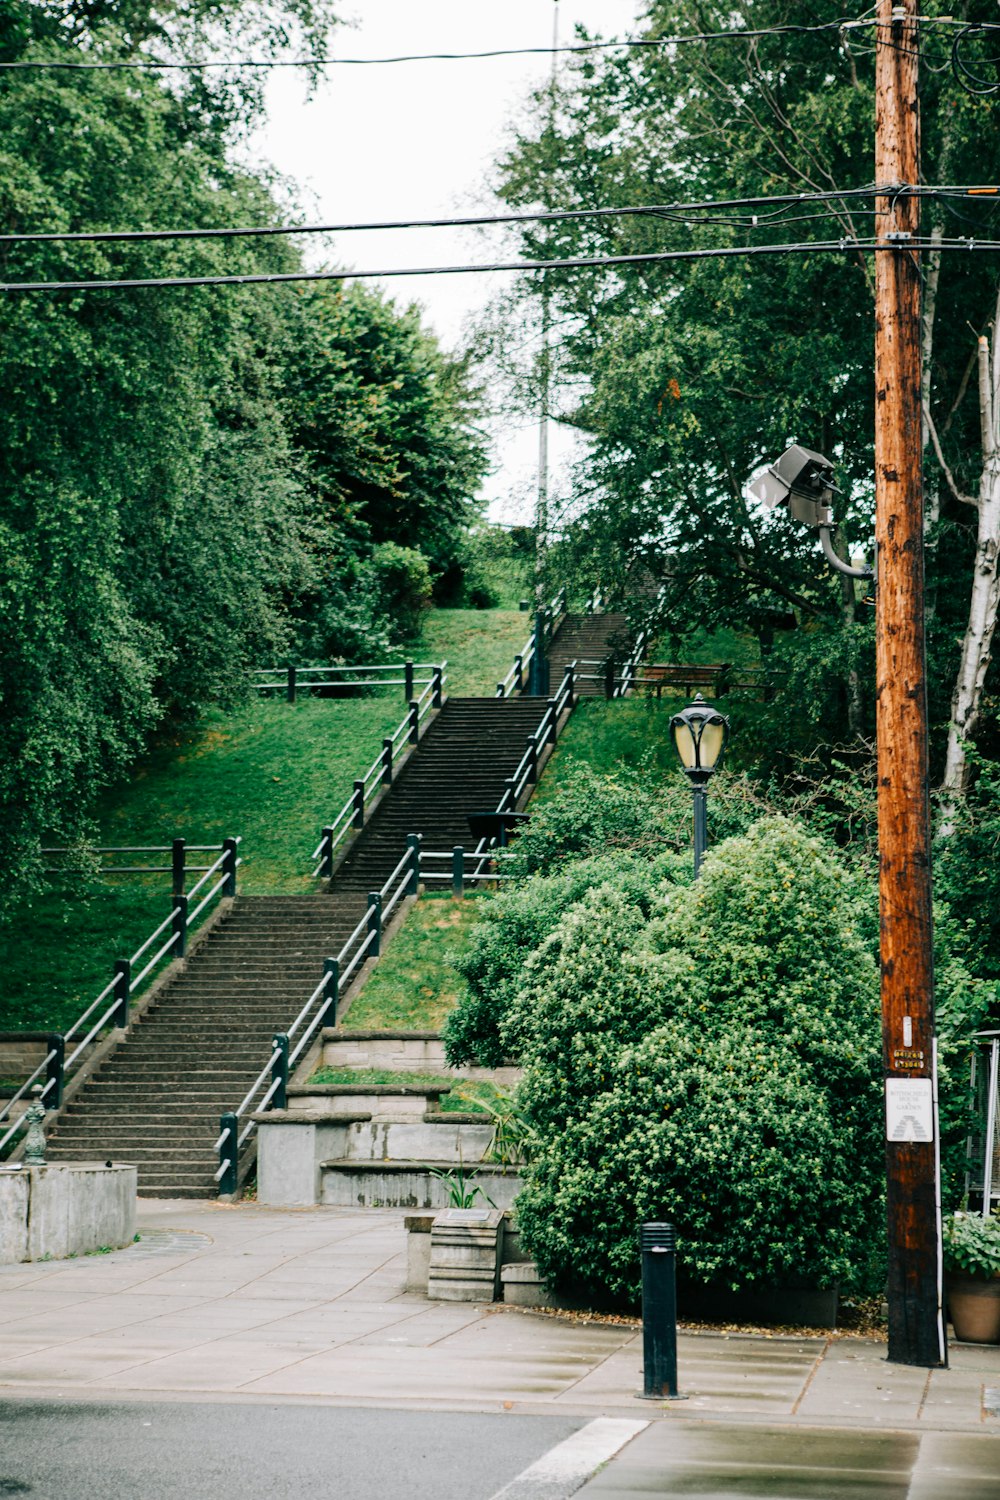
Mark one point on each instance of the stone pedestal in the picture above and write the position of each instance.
(466, 1244)
(47, 1213)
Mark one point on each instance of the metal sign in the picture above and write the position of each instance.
(909, 1109)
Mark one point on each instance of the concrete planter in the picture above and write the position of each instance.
(47, 1213)
(974, 1308)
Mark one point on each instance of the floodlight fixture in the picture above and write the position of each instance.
(802, 480)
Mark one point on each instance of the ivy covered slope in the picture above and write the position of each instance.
(716, 1066)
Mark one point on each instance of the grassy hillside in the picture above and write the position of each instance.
(271, 772)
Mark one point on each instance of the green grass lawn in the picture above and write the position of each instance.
(413, 986)
(465, 1096)
(627, 731)
(479, 644)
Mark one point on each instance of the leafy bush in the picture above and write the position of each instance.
(719, 1069)
(972, 1244)
(514, 924)
(402, 582)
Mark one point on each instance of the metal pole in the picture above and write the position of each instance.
(658, 1244)
(177, 867)
(326, 852)
(458, 871)
(413, 844)
(229, 1152)
(279, 1072)
(55, 1043)
(229, 848)
(123, 986)
(387, 762)
(408, 680)
(358, 816)
(916, 1328)
(180, 925)
(700, 794)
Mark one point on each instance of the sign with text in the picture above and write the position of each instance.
(909, 1109)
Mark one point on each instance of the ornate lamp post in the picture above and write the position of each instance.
(700, 736)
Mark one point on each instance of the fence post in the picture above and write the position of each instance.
(123, 983)
(387, 762)
(292, 684)
(510, 797)
(177, 849)
(180, 925)
(229, 848)
(229, 1152)
(458, 871)
(519, 671)
(53, 1091)
(609, 677)
(532, 758)
(569, 679)
(552, 717)
(408, 683)
(331, 976)
(436, 675)
(414, 721)
(359, 804)
(413, 844)
(375, 923)
(326, 849)
(499, 692)
(279, 1072)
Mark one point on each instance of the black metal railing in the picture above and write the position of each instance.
(178, 869)
(293, 680)
(520, 673)
(379, 774)
(269, 1089)
(126, 983)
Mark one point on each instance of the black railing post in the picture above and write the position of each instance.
(292, 684)
(458, 871)
(331, 978)
(414, 721)
(553, 718)
(230, 858)
(532, 758)
(413, 883)
(55, 1050)
(499, 692)
(659, 1312)
(436, 686)
(279, 1072)
(569, 679)
(375, 923)
(229, 1153)
(609, 677)
(519, 672)
(123, 984)
(180, 925)
(387, 762)
(177, 859)
(408, 680)
(359, 804)
(510, 797)
(326, 852)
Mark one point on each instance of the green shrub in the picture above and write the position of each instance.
(719, 1069)
(972, 1244)
(514, 924)
(402, 581)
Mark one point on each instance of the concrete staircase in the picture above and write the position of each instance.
(157, 1099)
(588, 639)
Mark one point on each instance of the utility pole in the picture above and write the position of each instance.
(916, 1328)
(539, 663)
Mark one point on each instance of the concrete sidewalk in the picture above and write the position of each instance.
(244, 1303)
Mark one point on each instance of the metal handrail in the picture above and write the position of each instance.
(124, 985)
(555, 607)
(322, 855)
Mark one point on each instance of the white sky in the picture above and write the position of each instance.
(419, 140)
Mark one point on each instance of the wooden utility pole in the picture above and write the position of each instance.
(916, 1335)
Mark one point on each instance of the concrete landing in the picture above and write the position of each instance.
(251, 1303)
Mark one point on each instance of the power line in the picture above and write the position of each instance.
(733, 34)
(714, 206)
(262, 278)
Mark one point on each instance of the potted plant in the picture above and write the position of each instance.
(972, 1266)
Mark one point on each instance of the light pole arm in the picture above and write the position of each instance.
(838, 562)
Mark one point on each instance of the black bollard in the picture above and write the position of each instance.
(659, 1313)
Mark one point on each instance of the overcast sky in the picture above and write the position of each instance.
(419, 140)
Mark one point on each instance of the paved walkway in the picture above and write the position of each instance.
(243, 1303)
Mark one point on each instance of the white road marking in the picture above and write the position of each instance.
(560, 1472)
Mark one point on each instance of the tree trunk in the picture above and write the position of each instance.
(975, 659)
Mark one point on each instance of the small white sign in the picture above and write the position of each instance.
(909, 1109)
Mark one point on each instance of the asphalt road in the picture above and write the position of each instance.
(51, 1450)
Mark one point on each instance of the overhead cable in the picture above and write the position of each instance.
(721, 252)
(715, 206)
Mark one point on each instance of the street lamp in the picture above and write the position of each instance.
(700, 735)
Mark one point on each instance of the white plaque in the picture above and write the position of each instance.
(909, 1109)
